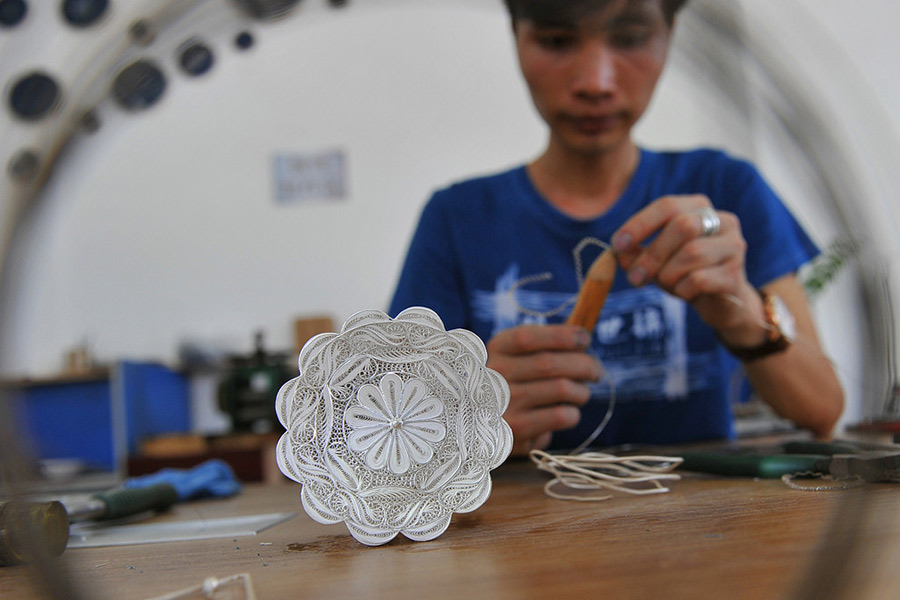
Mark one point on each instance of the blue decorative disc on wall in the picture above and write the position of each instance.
(33, 96)
(196, 58)
(12, 12)
(139, 85)
(82, 13)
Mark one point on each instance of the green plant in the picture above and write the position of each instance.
(825, 267)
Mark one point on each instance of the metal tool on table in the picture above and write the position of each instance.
(32, 531)
(212, 478)
(91, 536)
(121, 502)
(839, 460)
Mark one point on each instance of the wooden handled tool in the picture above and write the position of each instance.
(597, 282)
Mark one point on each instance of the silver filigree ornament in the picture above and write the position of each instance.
(393, 425)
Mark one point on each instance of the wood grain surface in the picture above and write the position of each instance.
(710, 537)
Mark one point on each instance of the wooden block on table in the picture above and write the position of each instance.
(164, 446)
(307, 327)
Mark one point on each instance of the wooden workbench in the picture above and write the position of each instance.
(710, 537)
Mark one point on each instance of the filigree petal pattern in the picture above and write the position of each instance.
(419, 450)
(374, 401)
(424, 408)
(427, 431)
(393, 425)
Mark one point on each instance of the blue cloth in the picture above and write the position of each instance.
(480, 238)
(213, 478)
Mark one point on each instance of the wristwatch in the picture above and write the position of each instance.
(781, 330)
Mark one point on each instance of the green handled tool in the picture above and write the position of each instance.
(751, 465)
(31, 531)
(868, 466)
(121, 502)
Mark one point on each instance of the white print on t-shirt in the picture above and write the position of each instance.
(640, 337)
(642, 344)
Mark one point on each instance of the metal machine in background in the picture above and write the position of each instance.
(248, 388)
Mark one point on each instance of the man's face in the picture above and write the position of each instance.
(592, 76)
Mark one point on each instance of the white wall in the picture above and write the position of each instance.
(161, 227)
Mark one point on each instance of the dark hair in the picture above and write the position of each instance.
(519, 9)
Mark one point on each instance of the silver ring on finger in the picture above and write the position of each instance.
(710, 223)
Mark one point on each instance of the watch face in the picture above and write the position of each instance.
(784, 320)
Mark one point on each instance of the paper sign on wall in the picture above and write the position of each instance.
(310, 176)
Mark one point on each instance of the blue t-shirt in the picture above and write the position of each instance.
(492, 253)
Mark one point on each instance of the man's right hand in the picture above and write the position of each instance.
(548, 372)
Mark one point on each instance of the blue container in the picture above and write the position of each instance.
(100, 420)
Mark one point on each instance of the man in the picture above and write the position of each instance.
(707, 254)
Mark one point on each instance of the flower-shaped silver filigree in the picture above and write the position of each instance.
(393, 425)
(395, 422)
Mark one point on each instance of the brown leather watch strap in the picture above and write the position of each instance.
(775, 341)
